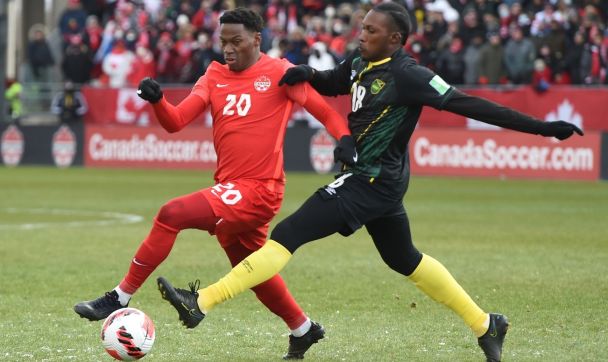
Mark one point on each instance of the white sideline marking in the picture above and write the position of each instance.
(113, 218)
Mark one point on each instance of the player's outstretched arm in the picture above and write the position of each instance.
(172, 118)
(505, 117)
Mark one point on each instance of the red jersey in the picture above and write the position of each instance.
(250, 113)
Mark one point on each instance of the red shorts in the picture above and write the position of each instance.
(245, 209)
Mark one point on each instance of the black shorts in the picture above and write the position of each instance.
(361, 199)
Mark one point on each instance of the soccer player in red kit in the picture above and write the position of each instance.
(250, 112)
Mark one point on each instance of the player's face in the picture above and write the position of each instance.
(378, 39)
(241, 47)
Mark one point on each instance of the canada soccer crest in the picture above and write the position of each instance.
(64, 146)
(13, 144)
(262, 83)
(322, 151)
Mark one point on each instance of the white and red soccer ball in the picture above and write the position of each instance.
(128, 334)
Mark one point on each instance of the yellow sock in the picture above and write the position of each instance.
(258, 267)
(436, 281)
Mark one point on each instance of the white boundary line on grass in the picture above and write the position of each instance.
(111, 218)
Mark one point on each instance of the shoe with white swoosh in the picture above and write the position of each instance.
(100, 308)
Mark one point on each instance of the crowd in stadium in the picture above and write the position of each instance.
(470, 42)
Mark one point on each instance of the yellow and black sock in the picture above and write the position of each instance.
(258, 267)
(436, 281)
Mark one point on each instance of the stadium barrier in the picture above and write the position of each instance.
(433, 151)
(119, 131)
(58, 145)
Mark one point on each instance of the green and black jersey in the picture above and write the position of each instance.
(387, 97)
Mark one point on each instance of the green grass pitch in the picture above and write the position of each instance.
(534, 250)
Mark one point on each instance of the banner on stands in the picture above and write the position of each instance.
(152, 147)
(110, 106)
(504, 154)
(580, 106)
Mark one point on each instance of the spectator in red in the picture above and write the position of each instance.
(144, 65)
(504, 17)
(418, 48)
(316, 32)
(184, 48)
(541, 77)
(339, 43)
(205, 18)
(344, 29)
(283, 15)
(93, 34)
(593, 63)
(118, 64)
(166, 59)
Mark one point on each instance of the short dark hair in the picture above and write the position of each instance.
(400, 17)
(249, 18)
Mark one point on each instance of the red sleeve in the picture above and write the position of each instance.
(305, 95)
(174, 118)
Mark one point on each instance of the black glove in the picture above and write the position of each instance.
(346, 151)
(297, 74)
(559, 129)
(149, 90)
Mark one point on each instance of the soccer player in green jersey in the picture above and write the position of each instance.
(388, 90)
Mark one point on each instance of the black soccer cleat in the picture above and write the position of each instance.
(299, 345)
(100, 308)
(185, 301)
(491, 341)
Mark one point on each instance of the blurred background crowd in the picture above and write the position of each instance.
(468, 42)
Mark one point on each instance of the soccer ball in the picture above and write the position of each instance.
(128, 334)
